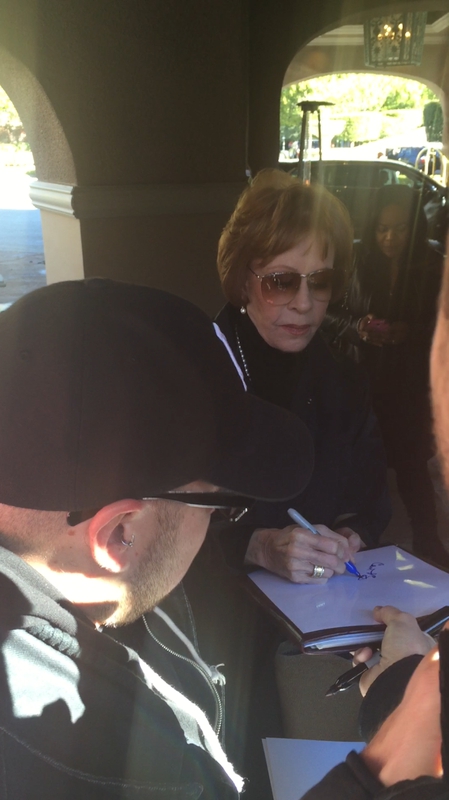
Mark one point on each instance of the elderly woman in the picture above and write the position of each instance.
(386, 321)
(282, 257)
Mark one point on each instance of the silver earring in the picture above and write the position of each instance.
(242, 310)
(129, 544)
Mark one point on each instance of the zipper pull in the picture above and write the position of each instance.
(216, 676)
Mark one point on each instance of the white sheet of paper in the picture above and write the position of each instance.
(397, 578)
(295, 765)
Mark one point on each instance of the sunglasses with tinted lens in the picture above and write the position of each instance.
(230, 506)
(278, 288)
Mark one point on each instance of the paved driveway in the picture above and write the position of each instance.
(22, 265)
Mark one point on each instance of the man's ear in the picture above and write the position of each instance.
(110, 534)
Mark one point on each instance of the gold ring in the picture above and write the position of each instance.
(318, 572)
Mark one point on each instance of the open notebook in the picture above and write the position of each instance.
(338, 615)
(295, 765)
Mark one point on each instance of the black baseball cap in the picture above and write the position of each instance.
(110, 390)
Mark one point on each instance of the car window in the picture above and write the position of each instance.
(353, 174)
(408, 180)
(356, 183)
(385, 177)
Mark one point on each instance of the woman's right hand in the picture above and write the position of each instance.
(293, 552)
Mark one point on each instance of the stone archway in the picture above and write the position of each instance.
(341, 49)
(51, 151)
(277, 38)
(52, 157)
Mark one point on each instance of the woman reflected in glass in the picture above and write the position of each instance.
(386, 321)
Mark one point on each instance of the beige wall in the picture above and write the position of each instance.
(163, 101)
(175, 252)
(312, 61)
(148, 93)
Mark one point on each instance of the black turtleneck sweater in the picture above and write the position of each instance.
(269, 373)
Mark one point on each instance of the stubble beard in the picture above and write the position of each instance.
(153, 578)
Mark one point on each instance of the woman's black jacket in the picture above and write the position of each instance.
(331, 396)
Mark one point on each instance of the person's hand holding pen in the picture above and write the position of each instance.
(346, 532)
(409, 744)
(402, 638)
(301, 556)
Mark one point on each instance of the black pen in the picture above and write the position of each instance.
(352, 676)
(431, 624)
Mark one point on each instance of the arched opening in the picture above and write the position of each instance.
(340, 51)
(52, 154)
(370, 115)
(277, 45)
(54, 168)
(22, 264)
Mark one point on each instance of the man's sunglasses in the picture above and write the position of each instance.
(230, 506)
(278, 288)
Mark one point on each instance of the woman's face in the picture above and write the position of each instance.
(393, 231)
(289, 327)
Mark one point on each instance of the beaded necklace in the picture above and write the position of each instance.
(242, 355)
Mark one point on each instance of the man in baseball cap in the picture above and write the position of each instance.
(123, 426)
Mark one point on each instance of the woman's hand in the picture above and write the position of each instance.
(293, 552)
(408, 744)
(354, 541)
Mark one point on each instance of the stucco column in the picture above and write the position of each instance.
(94, 230)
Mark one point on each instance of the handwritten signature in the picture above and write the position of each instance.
(371, 571)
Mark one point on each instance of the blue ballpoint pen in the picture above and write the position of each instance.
(297, 517)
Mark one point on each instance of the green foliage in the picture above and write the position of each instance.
(362, 127)
(433, 121)
(362, 103)
(8, 114)
(11, 128)
(407, 94)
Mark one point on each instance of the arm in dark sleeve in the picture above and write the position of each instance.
(232, 542)
(352, 780)
(366, 493)
(428, 284)
(363, 495)
(384, 695)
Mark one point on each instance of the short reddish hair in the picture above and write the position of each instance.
(272, 215)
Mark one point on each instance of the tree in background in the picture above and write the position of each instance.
(366, 105)
(433, 121)
(11, 128)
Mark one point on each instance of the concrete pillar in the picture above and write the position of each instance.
(138, 234)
